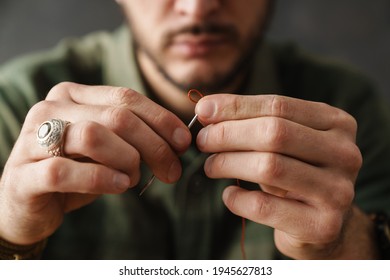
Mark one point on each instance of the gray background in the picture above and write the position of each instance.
(355, 31)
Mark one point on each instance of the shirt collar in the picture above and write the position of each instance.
(120, 66)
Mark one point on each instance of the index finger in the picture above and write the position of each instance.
(222, 107)
(163, 122)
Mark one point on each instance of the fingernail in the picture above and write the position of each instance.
(208, 164)
(121, 181)
(226, 195)
(181, 137)
(174, 171)
(202, 137)
(205, 109)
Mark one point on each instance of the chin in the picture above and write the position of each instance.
(201, 73)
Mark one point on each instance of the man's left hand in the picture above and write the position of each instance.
(304, 157)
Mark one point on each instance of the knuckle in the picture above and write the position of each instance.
(59, 89)
(219, 162)
(162, 119)
(119, 119)
(124, 96)
(276, 133)
(161, 152)
(98, 180)
(322, 106)
(261, 207)
(279, 106)
(269, 168)
(55, 173)
(343, 120)
(354, 159)
(349, 157)
(222, 134)
(235, 105)
(90, 135)
(335, 118)
(343, 194)
(95, 179)
(351, 122)
(358, 159)
(40, 109)
(135, 160)
(329, 227)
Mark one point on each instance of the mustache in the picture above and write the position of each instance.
(227, 30)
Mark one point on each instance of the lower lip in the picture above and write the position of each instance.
(190, 49)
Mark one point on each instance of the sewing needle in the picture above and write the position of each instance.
(153, 177)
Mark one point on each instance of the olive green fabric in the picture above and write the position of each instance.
(187, 220)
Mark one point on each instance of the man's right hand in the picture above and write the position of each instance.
(111, 131)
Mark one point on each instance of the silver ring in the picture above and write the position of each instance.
(50, 135)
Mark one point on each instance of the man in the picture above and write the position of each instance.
(288, 165)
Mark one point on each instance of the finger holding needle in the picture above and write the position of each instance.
(153, 177)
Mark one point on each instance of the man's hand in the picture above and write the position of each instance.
(304, 157)
(111, 131)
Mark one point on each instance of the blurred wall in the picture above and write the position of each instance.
(356, 31)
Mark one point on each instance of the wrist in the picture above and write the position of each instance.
(358, 240)
(381, 223)
(11, 251)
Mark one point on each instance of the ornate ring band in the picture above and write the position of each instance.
(50, 135)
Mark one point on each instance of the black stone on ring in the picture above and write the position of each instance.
(50, 135)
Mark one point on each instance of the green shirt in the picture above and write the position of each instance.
(187, 220)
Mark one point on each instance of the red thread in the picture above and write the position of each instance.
(190, 94)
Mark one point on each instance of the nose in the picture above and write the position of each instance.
(196, 8)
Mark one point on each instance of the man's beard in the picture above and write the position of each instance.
(219, 80)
